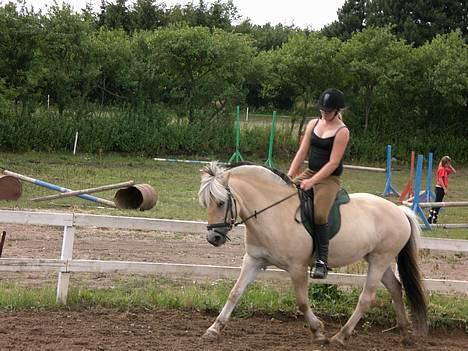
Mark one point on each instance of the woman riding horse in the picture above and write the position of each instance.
(372, 228)
(326, 138)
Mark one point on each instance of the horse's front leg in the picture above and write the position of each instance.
(300, 280)
(250, 268)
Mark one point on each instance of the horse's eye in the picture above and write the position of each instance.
(221, 204)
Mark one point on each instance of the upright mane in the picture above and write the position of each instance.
(213, 185)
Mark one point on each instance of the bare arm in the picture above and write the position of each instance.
(338, 150)
(303, 151)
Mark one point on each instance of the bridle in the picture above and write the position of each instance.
(231, 214)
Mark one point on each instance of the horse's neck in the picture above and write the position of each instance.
(256, 193)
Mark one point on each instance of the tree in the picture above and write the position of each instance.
(419, 21)
(266, 36)
(65, 68)
(443, 83)
(147, 15)
(19, 39)
(377, 64)
(115, 59)
(351, 18)
(305, 65)
(219, 15)
(193, 69)
(115, 16)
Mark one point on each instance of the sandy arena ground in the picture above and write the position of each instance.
(101, 329)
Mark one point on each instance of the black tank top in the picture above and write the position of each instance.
(320, 151)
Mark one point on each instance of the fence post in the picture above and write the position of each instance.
(67, 252)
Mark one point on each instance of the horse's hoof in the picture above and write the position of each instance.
(321, 339)
(407, 340)
(210, 335)
(338, 340)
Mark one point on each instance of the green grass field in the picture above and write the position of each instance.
(177, 185)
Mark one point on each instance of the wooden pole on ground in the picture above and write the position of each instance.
(58, 188)
(85, 191)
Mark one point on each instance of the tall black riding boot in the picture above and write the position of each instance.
(320, 270)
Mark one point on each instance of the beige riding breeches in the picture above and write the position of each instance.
(324, 194)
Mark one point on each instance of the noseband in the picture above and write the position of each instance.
(231, 214)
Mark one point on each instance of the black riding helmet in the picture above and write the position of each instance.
(331, 99)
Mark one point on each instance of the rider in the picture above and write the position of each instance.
(326, 138)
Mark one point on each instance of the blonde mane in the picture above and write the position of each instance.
(212, 184)
(214, 180)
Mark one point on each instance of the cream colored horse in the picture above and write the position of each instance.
(372, 228)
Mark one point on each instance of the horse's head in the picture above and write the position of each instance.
(214, 194)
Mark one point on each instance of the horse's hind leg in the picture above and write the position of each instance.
(249, 271)
(300, 281)
(377, 267)
(394, 287)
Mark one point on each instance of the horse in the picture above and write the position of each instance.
(372, 228)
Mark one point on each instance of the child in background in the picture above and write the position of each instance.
(443, 171)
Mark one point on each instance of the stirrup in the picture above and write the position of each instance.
(320, 271)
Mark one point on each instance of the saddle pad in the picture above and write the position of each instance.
(334, 218)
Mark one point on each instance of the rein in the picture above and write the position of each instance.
(254, 215)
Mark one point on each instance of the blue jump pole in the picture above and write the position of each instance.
(389, 188)
(427, 194)
(417, 185)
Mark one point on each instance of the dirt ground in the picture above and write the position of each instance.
(181, 330)
(101, 329)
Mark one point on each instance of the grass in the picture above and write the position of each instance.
(177, 186)
(260, 299)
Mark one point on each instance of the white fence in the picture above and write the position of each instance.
(66, 264)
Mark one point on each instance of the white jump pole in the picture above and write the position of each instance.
(76, 142)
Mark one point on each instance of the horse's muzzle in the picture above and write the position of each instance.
(217, 236)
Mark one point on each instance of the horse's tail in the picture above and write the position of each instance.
(411, 277)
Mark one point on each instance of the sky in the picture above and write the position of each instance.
(301, 13)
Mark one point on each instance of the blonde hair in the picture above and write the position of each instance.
(444, 161)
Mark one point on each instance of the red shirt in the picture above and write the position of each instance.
(442, 176)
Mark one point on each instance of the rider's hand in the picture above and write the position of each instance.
(307, 184)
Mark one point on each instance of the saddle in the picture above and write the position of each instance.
(334, 218)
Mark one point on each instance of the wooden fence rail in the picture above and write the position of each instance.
(66, 265)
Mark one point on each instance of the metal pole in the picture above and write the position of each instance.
(417, 185)
(269, 161)
(389, 188)
(237, 155)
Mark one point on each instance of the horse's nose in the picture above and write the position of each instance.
(215, 239)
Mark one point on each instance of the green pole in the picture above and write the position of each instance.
(237, 155)
(269, 161)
